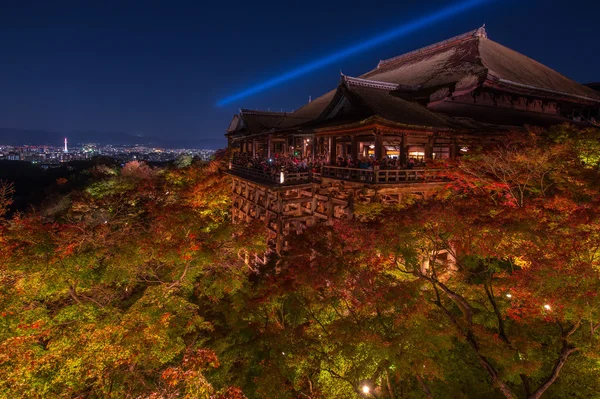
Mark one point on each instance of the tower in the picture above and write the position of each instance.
(66, 150)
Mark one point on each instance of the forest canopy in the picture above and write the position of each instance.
(137, 285)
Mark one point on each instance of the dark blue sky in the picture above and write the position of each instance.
(159, 67)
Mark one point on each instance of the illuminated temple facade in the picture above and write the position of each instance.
(431, 103)
(425, 103)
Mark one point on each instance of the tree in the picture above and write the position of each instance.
(137, 286)
(98, 298)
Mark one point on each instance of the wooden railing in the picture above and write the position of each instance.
(369, 176)
(296, 177)
(272, 177)
(340, 173)
(380, 176)
(255, 173)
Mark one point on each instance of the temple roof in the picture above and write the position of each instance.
(374, 98)
(474, 56)
(432, 74)
(250, 121)
(314, 108)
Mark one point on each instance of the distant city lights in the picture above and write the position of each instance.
(48, 156)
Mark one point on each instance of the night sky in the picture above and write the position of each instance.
(159, 68)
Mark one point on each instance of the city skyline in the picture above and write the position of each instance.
(21, 137)
(58, 154)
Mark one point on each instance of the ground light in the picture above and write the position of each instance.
(400, 31)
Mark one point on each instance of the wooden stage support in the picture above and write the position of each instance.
(285, 209)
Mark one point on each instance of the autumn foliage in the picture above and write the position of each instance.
(135, 288)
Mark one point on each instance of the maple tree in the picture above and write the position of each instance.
(98, 297)
(136, 285)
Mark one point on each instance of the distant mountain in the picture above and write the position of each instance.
(9, 136)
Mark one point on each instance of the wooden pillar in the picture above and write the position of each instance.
(330, 208)
(429, 148)
(253, 147)
(354, 152)
(332, 150)
(269, 142)
(454, 149)
(256, 204)
(279, 229)
(313, 142)
(403, 150)
(314, 202)
(320, 145)
(303, 147)
(378, 147)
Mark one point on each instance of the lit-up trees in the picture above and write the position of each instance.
(137, 286)
(98, 298)
(494, 280)
(6, 191)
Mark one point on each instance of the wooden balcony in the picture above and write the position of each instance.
(273, 178)
(367, 176)
(384, 176)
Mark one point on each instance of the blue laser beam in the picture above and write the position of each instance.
(357, 48)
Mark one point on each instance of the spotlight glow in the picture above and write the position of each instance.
(357, 48)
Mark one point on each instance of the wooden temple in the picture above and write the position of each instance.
(431, 103)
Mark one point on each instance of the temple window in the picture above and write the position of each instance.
(278, 147)
(441, 152)
(416, 152)
(392, 151)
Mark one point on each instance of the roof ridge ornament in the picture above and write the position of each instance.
(479, 32)
(348, 80)
(376, 84)
(261, 112)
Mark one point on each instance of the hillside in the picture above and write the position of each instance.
(132, 283)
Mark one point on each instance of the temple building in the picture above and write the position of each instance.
(422, 104)
(431, 103)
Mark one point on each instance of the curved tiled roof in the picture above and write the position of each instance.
(457, 65)
(509, 65)
(314, 108)
(375, 97)
(259, 121)
(439, 64)
(473, 54)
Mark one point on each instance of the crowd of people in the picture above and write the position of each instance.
(370, 163)
(278, 163)
(295, 164)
